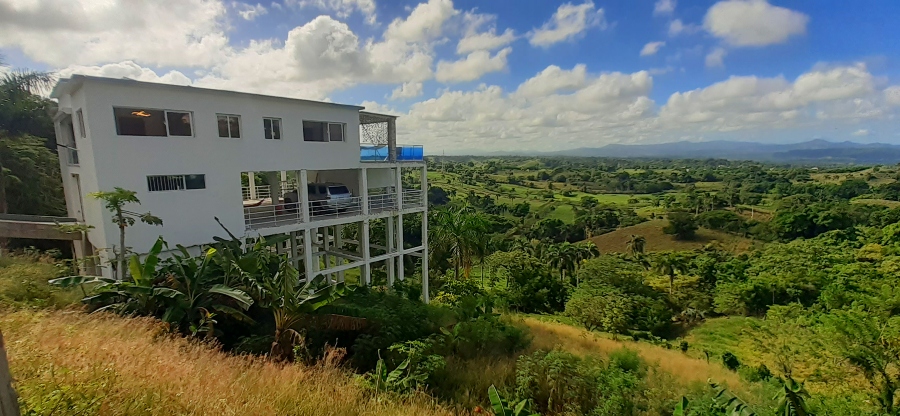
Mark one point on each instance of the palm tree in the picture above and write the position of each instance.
(669, 264)
(457, 234)
(636, 245)
(18, 104)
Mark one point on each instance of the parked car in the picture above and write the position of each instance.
(325, 198)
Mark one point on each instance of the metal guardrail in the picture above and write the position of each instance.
(262, 192)
(267, 216)
(412, 199)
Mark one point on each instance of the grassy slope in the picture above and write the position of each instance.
(617, 241)
(113, 365)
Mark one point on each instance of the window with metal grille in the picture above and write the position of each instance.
(175, 182)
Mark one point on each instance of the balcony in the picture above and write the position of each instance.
(382, 153)
(268, 215)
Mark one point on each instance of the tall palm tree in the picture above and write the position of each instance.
(456, 233)
(669, 264)
(636, 245)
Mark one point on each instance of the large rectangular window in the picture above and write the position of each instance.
(320, 131)
(229, 125)
(157, 183)
(272, 127)
(157, 123)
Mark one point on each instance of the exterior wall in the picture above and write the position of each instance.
(109, 160)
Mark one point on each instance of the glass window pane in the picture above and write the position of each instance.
(267, 128)
(195, 181)
(276, 129)
(234, 123)
(314, 131)
(81, 124)
(139, 122)
(336, 132)
(223, 125)
(179, 123)
(322, 191)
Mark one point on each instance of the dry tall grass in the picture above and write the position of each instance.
(687, 370)
(96, 364)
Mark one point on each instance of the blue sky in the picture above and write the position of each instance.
(468, 76)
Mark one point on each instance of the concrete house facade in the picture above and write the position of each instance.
(261, 165)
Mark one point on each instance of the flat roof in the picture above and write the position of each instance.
(67, 85)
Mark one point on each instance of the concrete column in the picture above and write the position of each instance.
(274, 186)
(325, 256)
(424, 182)
(339, 244)
(398, 184)
(307, 255)
(294, 250)
(392, 140)
(252, 181)
(364, 190)
(283, 177)
(304, 195)
(366, 252)
(400, 268)
(389, 227)
(425, 297)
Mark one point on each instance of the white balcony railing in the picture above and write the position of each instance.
(413, 199)
(262, 192)
(268, 215)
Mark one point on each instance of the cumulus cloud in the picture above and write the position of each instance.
(753, 22)
(568, 22)
(677, 27)
(861, 133)
(425, 22)
(664, 7)
(652, 48)
(892, 95)
(342, 8)
(407, 90)
(472, 67)
(182, 33)
(480, 34)
(249, 11)
(126, 69)
(716, 58)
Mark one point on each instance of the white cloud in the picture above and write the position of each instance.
(342, 8)
(476, 39)
(892, 95)
(553, 80)
(183, 33)
(677, 27)
(407, 90)
(664, 7)
(861, 133)
(472, 67)
(753, 22)
(568, 22)
(126, 69)
(424, 23)
(249, 11)
(716, 58)
(652, 48)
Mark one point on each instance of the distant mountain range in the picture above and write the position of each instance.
(813, 151)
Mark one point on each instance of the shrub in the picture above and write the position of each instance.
(683, 346)
(730, 361)
(23, 283)
(455, 290)
(626, 360)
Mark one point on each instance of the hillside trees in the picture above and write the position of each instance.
(681, 224)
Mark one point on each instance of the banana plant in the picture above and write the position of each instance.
(196, 290)
(792, 399)
(138, 294)
(502, 407)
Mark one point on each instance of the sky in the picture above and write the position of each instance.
(470, 76)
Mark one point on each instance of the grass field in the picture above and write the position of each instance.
(884, 202)
(652, 231)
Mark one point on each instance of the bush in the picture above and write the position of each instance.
(730, 361)
(453, 291)
(682, 225)
(23, 283)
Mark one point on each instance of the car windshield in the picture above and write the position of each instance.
(336, 190)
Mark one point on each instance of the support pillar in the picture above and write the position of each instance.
(425, 295)
(304, 195)
(398, 186)
(390, 250)
(325, 256)
(307, 255)
(366, 252)
(339, 244)
(400, 269)
(364, 190)
(294, 250)
(251, 179)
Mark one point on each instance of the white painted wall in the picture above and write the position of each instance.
(109, 160)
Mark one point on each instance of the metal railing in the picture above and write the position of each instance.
(264, 216)
(335, 208)
(262, 192)
(412, 199)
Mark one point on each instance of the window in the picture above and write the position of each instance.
(320, 131)
(143, 122)
(272, 127)
(175, 182)
(179, 123)
(80, 115)
(336, 132)
(229, 126)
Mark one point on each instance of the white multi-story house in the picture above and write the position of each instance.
(260, 165)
